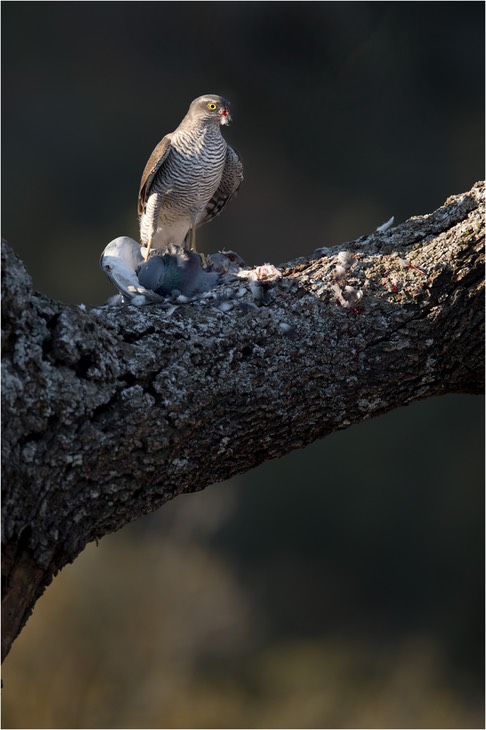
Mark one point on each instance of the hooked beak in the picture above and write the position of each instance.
(225, 115)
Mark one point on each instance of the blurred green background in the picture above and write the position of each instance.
(341, 586)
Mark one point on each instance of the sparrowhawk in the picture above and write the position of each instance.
(189, 177)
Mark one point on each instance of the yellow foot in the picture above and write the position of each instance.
(193, 239)
(149, 247)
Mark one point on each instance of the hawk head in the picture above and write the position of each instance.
(211, 107)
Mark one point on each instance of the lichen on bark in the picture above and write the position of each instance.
(110, 412)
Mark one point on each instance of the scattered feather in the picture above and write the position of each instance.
(385, 226)
(345, 258)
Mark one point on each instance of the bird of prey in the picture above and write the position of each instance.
(189, 178)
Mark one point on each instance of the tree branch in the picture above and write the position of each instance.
(111, 412)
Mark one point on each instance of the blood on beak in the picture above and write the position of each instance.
(225, 115)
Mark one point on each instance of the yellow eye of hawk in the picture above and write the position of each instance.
(212, 106)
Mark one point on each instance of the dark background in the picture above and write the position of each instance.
(341, 586)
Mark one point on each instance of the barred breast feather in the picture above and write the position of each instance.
(231, 180)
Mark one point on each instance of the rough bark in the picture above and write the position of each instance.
(109, 413)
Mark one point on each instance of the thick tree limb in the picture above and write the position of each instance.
(111, 412)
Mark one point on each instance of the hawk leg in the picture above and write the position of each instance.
(149, 247)
(193, 239)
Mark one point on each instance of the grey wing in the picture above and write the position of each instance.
(154, 163)
(120, 261)
(230, 182)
